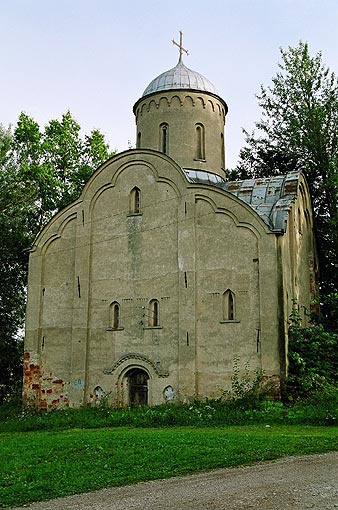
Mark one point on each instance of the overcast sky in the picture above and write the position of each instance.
(96, 57)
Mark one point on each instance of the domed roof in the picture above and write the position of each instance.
(180, 77)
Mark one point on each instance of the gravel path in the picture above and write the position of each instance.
(296, 483)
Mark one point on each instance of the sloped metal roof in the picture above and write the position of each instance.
(180, 77)
(269, 197)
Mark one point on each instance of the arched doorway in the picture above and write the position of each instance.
(138, 387)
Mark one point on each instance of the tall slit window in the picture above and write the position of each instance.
(115, 315)
(154, 313)
(223, 150)
(135, 201)
(200, 141)
(138, 140)
(228, 305)
(164, 138)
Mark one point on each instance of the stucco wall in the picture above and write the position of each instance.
(188, 245)
(182, 111)
(298, 261)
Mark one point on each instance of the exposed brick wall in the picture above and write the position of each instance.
(43, 391)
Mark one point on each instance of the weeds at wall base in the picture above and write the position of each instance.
(320, 409)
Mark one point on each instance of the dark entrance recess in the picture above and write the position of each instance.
(138, 387)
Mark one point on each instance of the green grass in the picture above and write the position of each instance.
(41, 465)
(321, 409)
(46, 455)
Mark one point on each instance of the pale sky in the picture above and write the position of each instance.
(96, 57)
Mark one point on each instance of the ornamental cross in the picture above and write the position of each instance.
(180, 46)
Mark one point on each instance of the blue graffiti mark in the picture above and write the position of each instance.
(78, 385)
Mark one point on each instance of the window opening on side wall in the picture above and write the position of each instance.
(154, 313)
(228, 305)
(135, 201)
(115, 315)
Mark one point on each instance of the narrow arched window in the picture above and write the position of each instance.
(228, 305)
(115, 315)
(138, 142)
(164, 138)
(135, 201)
(200, 142)
(223, 150)
(154, 313)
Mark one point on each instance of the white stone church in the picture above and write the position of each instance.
(146, 288)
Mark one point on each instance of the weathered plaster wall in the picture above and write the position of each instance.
(49, 317)
(182, 111)
(298, 262)
(188, 244)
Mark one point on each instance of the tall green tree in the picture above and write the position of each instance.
(298, 130)
(41, 171)
(54, 164)
(13, 252)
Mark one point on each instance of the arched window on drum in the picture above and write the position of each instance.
(164, 138)
(199, 141)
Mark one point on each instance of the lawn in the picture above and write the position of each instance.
(41, 465)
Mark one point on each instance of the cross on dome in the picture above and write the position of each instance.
(180, 77)
(180, 46)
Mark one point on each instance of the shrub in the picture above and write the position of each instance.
(313, 357)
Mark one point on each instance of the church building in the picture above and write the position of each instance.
(147, 287)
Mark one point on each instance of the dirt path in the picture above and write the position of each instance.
(296, 483)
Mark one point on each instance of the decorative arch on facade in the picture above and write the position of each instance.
(211, 105)
(232, 213)
(152, 106)
(201, 101)
(163, 102)
(112, 169)
(142, 109)
(175, 102)
(153, 167)
(45, 239)
(129, 367)
(188, 100)
(132, 359)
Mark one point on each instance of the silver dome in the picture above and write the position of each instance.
(180, 77)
